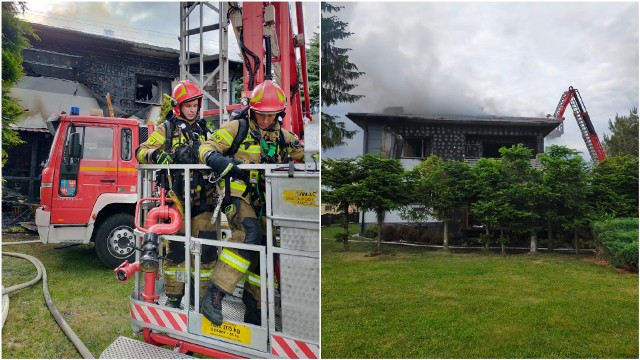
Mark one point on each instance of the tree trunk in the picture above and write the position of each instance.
(575, 240)
(380, 217)
(534, 242)
(445, 237)
(486, 245)
(550, 237)
(503, 249)
(345, 224)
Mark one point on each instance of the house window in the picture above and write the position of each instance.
(149, 90)
(419, 147)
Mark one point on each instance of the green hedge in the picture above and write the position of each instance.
(619, 237)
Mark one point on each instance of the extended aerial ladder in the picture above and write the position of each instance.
(572, 96)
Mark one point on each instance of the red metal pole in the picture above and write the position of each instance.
(284, 41)
(303, 60)
(186, 346)
(252, 23)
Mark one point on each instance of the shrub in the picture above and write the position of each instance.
(389, 233)
(341, 237)
(484, 239)
(371, 232)
(408, 233)
(619, 241)
(431, 237)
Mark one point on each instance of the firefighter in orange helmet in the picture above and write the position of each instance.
(254, 137)
(177, 140)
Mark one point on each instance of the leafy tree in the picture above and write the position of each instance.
(565, 179)
(337, 74)
(487, 180)
(439, 190)
(523, 194)
(508, 193)
(313, 69)
(615, 186)
(624, 135)
(14, 40)
(381, 187)
(340, 183)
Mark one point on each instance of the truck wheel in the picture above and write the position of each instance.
(115, 240)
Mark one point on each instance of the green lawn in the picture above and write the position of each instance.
(87, 294)
(412, 303)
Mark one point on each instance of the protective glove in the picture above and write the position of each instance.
(223, 166)
(185, 154)
(239, 174)
(161, 157)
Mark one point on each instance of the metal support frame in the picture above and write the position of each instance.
(204, 11)
(266, 253)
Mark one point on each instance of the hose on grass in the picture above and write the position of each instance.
(42, 272)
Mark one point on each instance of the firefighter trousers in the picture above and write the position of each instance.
(234, 265)
(201, 227)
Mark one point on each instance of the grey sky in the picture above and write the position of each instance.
(155, 23)
(512, 59)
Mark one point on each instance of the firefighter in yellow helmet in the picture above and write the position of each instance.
(254, 137)
(177, 140)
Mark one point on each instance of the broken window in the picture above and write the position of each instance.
(418, 147)
(149, 90)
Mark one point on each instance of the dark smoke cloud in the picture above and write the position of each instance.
(511, 59)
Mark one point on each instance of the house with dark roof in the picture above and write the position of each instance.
(412, 138)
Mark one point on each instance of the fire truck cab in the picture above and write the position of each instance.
(89, 184)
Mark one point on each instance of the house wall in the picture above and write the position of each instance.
(102, 71)
(455, 142)
(448, 141)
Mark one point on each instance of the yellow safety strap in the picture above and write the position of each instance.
(171, 272)
(155, 136)
(253, 149)
(140, 156)
(204, 274)
(234, 185)
(223, 134)
(252, 278)
(235, 261)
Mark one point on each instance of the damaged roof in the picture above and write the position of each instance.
(546, 124)
(104, 42)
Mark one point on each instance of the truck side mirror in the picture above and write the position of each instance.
(75, 149)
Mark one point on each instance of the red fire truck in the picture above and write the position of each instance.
(89, 182)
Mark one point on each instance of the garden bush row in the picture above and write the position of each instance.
(617, 241)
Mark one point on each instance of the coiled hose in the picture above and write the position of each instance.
(42, 273)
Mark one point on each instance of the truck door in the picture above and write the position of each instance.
(84, 178)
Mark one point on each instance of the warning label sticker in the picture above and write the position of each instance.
(228, 331)
(301, 197)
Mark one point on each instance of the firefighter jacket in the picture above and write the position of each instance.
(253, 150)
(182, 146)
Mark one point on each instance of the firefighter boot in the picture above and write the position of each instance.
(252, 311)
(211, 306)
(173, 301)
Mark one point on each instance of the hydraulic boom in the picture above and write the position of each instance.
(572, 96)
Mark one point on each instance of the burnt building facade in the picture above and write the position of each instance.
(67, 68)
(412, 138)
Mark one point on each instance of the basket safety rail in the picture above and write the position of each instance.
(289, 328)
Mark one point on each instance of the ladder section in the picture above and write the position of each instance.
(586, 127)
(203, 42)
